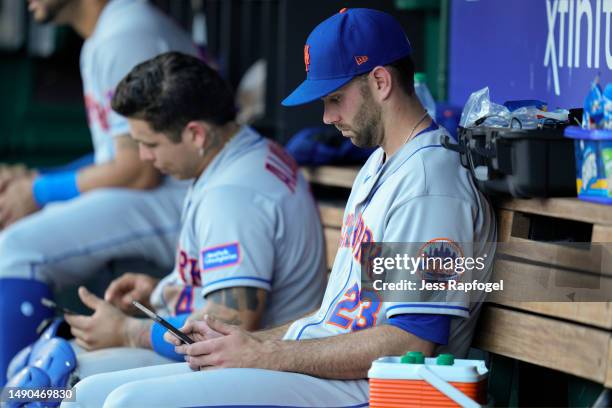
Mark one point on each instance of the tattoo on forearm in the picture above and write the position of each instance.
(228, 304)
(252, 301)
(231, 299)
(224, 297)
(216, 297)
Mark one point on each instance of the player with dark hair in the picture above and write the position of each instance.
(167, 93)
(250, 250)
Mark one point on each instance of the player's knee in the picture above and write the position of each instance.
(13, 244)
(7, 240)
(88, 393)
(127, 395)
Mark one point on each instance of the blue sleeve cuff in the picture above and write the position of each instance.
(55, 187)
(160, 345)
(431, 327)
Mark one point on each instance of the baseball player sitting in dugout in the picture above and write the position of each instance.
(250, 249)
(411, 190)
(62, 227)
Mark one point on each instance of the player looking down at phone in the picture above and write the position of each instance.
(250, 249)
(411, 190)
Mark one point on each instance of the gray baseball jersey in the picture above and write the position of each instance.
(248, 220)
(419, 195)
(127, 33)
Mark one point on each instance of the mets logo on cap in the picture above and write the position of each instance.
(307, 57)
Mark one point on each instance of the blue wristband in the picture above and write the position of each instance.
(160, 345)
(55, 187)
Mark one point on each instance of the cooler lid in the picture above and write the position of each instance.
(391, 368)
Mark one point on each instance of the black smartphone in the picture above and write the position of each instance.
(173, 330)
(52, 305)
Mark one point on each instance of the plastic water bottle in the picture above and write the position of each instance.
(420, 87)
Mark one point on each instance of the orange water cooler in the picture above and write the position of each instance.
(415, 381)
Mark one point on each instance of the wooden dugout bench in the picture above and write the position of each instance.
(571, 337)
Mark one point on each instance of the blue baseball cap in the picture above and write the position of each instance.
(349, 43)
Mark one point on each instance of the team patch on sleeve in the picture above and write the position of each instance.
(221, 256)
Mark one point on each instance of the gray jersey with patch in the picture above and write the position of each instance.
(421, 194)
(249, 220)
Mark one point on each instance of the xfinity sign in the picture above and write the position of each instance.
(570, 16)
(534, 49)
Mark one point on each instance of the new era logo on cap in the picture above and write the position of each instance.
(349, 43)
(362, 59)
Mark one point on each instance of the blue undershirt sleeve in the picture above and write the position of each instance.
(431, 327)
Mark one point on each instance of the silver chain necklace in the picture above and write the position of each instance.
(415, 126)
